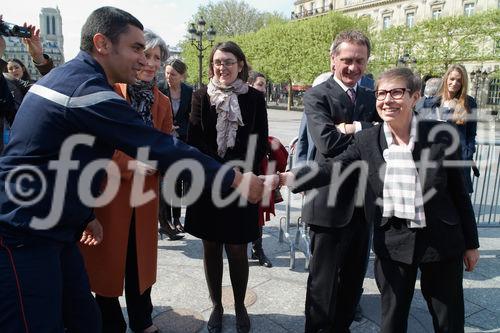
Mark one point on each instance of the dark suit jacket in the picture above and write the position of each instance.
(451, 225)
(181, 119)
(326, 105)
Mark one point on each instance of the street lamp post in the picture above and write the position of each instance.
(478, 78)
(196, 37)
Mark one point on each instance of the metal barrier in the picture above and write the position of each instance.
(485, 197)
(300, 240)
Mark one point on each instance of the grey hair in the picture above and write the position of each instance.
(153, 40)
(432, 86)
(350, 36)
(413, 82)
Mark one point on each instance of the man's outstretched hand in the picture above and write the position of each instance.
(249, 186)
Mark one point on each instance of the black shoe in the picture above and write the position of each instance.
(262, 258)
(358, 314)
(214, 324)
(242, 321)
(177, 225)
(172, 235)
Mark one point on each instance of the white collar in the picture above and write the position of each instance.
(343, 86)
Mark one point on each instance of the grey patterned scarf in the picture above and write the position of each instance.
(141, 99)
(225, 100)
(402, 190)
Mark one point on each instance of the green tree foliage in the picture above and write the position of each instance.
(296, 50)
(438, 43)
(235, 17)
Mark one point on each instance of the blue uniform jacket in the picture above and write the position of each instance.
(75, 98)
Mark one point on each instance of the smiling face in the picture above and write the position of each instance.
(153, 63)
(226, 67)
(397, 112)
(349, 62)
(454, 83)
(15, 69)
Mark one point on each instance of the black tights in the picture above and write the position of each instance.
(238, 271)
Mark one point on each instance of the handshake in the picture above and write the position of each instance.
(256, 188)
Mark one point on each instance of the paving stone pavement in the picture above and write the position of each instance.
(182, 305)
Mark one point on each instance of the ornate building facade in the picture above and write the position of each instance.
(386, 13)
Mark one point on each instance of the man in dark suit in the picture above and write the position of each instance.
(335, 110)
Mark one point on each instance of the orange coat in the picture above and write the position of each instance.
(105, 262)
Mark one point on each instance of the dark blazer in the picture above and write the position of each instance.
(326, 105)
(451, 225)
(181, 119)
(233, 223)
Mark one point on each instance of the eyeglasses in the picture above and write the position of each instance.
(225, 63)
(396, 93)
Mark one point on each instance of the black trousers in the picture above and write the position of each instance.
(441, 284)
(336, 274)
(139, 306)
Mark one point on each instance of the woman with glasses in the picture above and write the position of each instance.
(454, 105)
(416, 200)
(229, 123)
(180, 95)
(127, 255)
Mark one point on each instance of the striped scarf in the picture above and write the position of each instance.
(402, 192)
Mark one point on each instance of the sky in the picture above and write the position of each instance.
(168, 18)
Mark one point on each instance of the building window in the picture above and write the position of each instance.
(436, 13)
(410, 19)
(386, 22)
(351, 2)
(468, 9)
(48, 25)
(53, 25)
(494, 92)
(497, 47)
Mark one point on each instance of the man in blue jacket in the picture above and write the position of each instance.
(64, 134)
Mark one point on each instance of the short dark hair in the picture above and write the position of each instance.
(109, 21)
(233, 48)
(177, 64)
(253, 76)
(413, 82)
(350, 36)
(26, 75)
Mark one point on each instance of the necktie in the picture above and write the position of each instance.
(352, 95)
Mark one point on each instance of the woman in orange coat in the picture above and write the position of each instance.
(128, 252)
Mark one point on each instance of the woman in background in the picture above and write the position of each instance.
(459, 108)
(258, 81)
(180, 95)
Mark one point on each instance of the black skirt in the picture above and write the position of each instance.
(232, 224)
